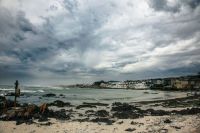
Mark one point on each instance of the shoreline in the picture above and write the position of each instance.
(107, 116)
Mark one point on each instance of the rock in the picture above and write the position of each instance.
(80, 114)
(126, 111)
(42, 119)
(123, 107)
(49, 95)
(126, 115)
(10, 115)
(61, 114)
(13, 94)
(130, 129)
(2, 98)
(96, 104)
(89, 111)
(19, 122)
(29, 122)
(176, 127)
(59, 103)
(163, 131)
(133, 123)
(157, 112)
(82, 120)
(85, 106)
(120, 122)
(187, 111)
(102, 113)
(167, 121)
(61, 95)
(105, 120)
(36, 116)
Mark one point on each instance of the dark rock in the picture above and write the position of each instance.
(89, 111)
(20, 121)
(126, 115)
(130, 129)
(59, 103)
(167, 121)
(80, 114)
(187, 111)
(11, 115)
(123, 107)
(157, 112)
(61, 114)
(13, 94)
(120, 122)
(36, 115)
(42, 119)
(176, 127)
(96, 104)
(2, 98)
(82, 120)
(29, 122)
(104, 120)
(133, 123)
(85, 106)
(102, 113)
(49, 95)
(126, 111)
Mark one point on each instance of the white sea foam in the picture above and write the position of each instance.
(28, 91)
(55, 87)
(6, 89)
(40, 90)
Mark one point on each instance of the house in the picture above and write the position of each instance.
(181, 84)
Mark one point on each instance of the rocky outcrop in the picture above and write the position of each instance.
(49, 95)
(59, 103)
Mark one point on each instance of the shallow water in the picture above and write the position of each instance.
(79, 95)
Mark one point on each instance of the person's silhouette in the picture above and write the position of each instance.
(16, 87)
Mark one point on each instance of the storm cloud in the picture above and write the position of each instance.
(79, 41)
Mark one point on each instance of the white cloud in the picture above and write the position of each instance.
(90, 38)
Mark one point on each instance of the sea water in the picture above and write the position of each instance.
(80, 95)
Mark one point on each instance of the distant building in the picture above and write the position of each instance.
(181, 84)
(184, 82)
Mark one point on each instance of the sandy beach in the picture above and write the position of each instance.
(178, 124)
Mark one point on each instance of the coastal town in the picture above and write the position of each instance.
(170, 83)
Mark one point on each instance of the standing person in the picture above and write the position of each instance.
(16, 91)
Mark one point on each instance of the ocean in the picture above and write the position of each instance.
(79, 95)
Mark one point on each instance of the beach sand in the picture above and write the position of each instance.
(178, 124)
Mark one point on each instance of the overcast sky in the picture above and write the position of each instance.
(81, 41)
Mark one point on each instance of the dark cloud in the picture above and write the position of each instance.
(163, 5)
(193, 3)
(83, 41)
